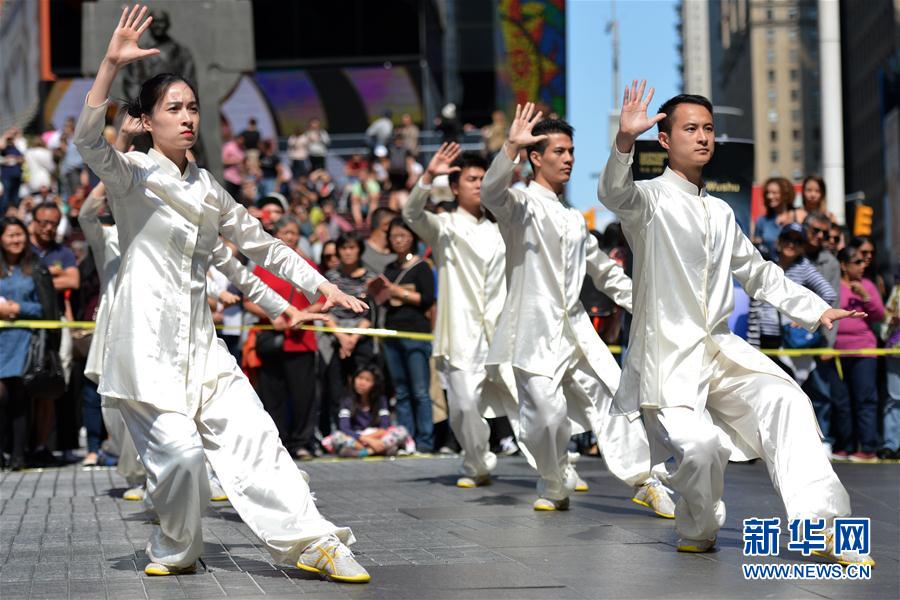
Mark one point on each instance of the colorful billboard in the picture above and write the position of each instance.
(531, 54)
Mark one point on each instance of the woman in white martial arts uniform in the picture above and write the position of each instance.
(104, 243)
(562, 368)
(103, 239)
(683, 358)
(181, 393)
(471, 263)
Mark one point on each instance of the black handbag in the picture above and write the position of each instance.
(270, 343)
(43, 374)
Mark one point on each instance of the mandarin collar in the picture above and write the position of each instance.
(537, 189)
(467, 216)
(670, 176)
(171, 168)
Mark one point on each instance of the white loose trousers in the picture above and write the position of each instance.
(547, 408)
(240, 440)
(786, 437)
(129, 466)
(465, 391)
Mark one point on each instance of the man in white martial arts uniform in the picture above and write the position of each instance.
(683, 358)
(471, 261)
(562, 368)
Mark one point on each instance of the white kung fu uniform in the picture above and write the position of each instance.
(104, 243)
(564, 373)
(683, 358)
(470, 258)
(180, 391)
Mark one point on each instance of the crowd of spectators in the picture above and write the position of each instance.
(356, 395)
(854, 395)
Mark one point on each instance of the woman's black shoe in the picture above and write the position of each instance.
(886, 454)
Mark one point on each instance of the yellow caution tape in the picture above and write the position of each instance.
(382, 333)
(833, 352)
(24, 324)
(427, 337)
(813, 352)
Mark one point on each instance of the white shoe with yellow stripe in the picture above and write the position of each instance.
(160, 570)
(656, 497)
(847, 557)
(328, 556)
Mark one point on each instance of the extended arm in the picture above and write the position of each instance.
(250, 285)
(424, 223)
(236, 224)
(617, 190)
(427, 225)
(607, 275)
(495, 193)
(110, 165)
(765, 281)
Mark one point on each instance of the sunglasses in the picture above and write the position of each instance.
(834, 238)
(819, 231)
(328, 256)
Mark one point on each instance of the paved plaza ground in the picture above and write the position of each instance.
(66, 533)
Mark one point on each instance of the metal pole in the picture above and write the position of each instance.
(451, 54)
(427, 96)
(832, 109)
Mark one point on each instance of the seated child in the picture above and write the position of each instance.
(364, 420)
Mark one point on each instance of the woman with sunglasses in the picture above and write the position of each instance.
(856, 426)
(344, 353)
(866, 249)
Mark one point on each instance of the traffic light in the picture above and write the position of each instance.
(862, 220)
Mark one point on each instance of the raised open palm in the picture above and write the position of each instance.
(443, 158)
(123, 46)
(633, 120)
(520, 130)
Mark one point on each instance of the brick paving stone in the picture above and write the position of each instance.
(66, 533)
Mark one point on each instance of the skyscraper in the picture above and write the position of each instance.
(769, 68)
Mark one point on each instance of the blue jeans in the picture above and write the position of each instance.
(892, 405)
(10, 195)
(407, 362)
(857, 428)
(828, 395)
(93, 419)
(265, 187)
